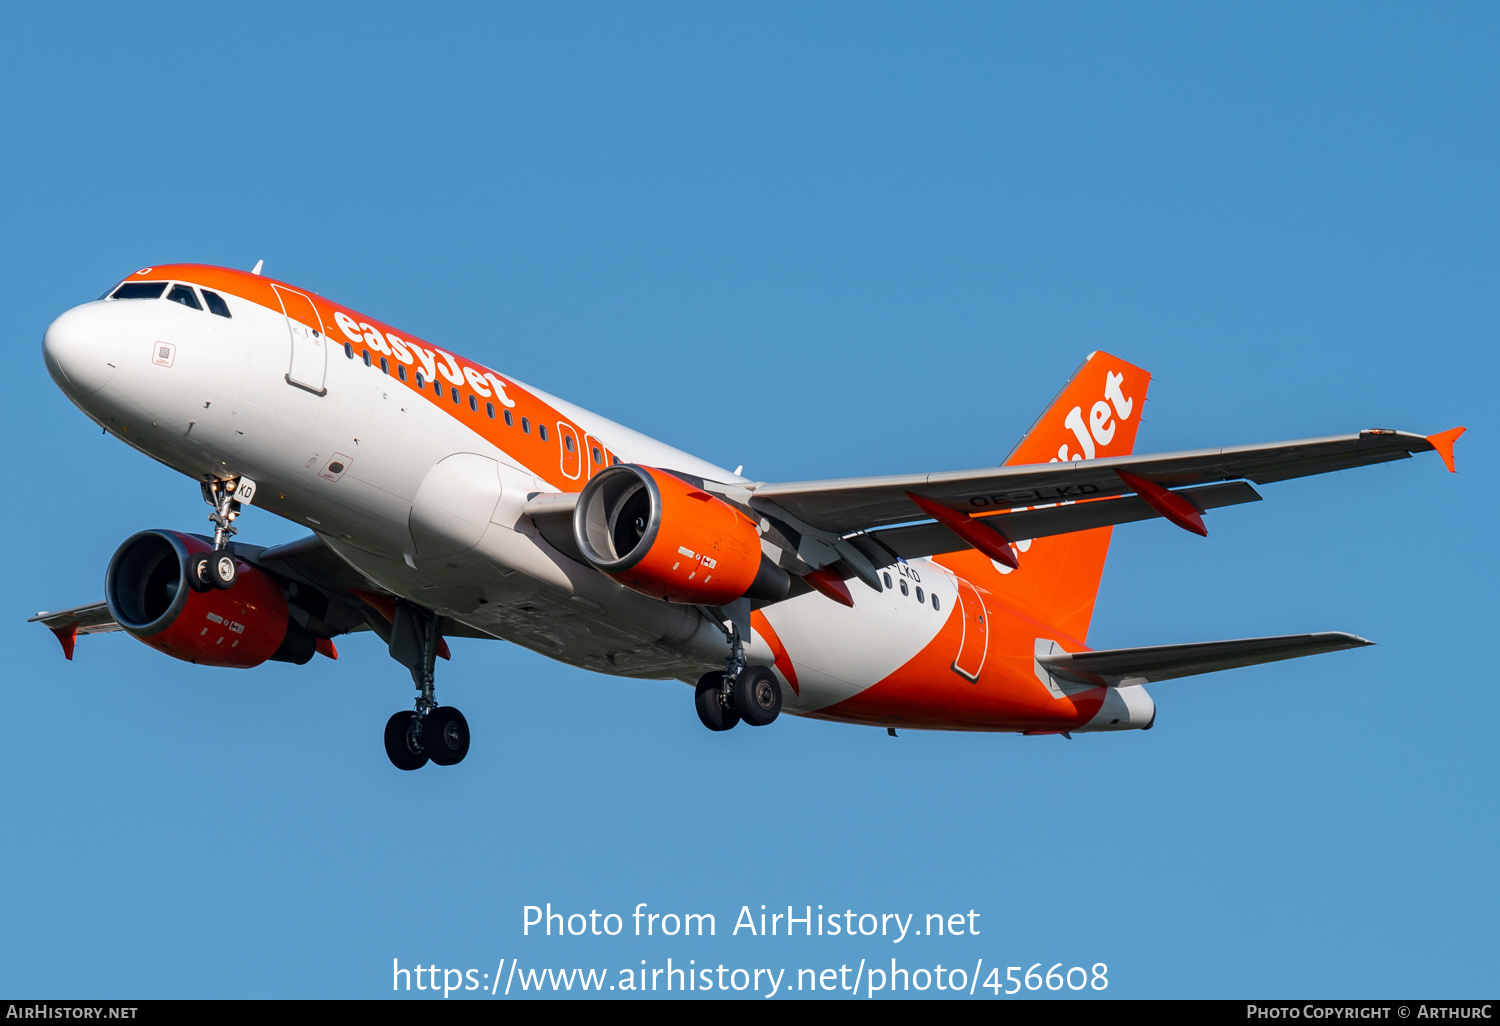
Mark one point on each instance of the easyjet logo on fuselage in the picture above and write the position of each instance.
(434, 361)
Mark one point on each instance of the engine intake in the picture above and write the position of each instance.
(146, 589)
(665, 537)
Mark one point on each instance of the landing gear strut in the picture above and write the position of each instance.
(219, 569)
(740, 692)
(430, 732)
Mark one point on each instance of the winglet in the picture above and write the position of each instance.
(1443, 443)
(68, 637)
(325, 646)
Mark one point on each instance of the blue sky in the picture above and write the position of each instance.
(859, 239)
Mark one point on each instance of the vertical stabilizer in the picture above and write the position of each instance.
(1094, 416)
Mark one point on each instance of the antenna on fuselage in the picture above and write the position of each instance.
(258, 265)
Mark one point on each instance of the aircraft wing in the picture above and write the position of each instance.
(859, 504)
(67, 624)
(1163, 662)
(93, 618)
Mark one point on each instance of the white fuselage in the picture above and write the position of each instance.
(431, 509)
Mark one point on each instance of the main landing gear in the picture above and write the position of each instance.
(431, 732)
(740, 692)
(219, 569)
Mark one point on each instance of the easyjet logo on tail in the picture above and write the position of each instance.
(1095, 415)
(1101, 426)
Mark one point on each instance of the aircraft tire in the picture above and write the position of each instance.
(199, 572)
(445, 736)
(396, 746)
(757, 696)
(223, 571)
(710, 710)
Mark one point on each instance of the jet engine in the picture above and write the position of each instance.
(665, 537)
(146, 589)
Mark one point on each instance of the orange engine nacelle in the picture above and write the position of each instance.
(147, 592)
(665, 537)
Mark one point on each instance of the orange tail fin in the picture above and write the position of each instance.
(1094, 416)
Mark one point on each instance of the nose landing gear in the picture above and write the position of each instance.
(219, 569)
(431, 732)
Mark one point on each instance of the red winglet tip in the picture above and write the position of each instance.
(826, 582)
(326, 647)
(67, 637)
(1443, 443)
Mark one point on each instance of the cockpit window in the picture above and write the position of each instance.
(140, 290)
(216, 303)
(185, 295)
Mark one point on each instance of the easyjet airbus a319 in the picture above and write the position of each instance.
(446, 499)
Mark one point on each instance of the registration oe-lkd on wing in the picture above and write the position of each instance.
(767, 921)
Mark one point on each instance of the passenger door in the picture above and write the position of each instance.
(976, 637)
(572, 459)
(309, 363)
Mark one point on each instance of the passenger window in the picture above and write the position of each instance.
(617, 461)
(473, 403)
(365, 355)
(140, 290)
(216, 303)
(904, 590)
(349, 350)
(887, 579)
(526, 425)
(185, 295)
(401, 371)
(541, 429)
(420, 382)
(509, 420)
(597, 457)
(935, 601)
(437, 386)
(385, 368)
(920, 596)
(489, 408)
(455, 396)
(568, 442)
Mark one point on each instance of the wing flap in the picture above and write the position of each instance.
(1165, 662)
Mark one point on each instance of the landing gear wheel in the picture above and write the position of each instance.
(222, 569)
(398, 743)
(757, 695)
(445, 736)
(710, 700)
(199, 572)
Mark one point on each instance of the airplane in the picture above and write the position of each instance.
(446, 499)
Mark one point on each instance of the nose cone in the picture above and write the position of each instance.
(82, 349)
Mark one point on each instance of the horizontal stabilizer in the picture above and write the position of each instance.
(917, 540)
(1163, 662)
